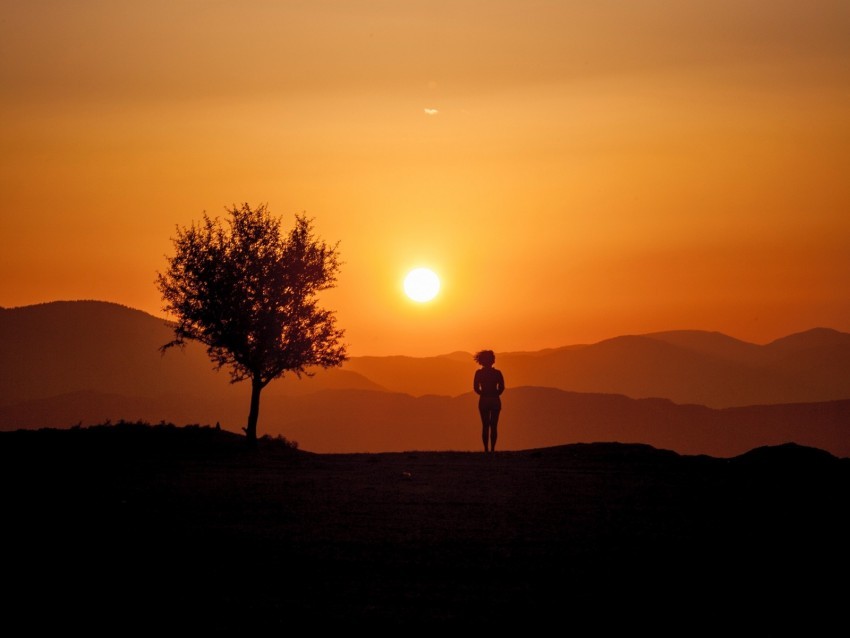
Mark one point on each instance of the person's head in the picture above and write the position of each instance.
(485, 357)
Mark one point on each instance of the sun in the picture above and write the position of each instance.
(421, 284)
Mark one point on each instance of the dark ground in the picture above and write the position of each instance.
(135, 527)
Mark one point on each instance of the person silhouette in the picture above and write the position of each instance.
(488, 383)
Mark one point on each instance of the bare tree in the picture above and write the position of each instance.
(248, 292)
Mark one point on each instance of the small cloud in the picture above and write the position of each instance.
(431, 111)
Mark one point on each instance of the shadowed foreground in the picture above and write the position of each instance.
(140, 527)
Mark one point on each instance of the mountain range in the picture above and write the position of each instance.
(85, 362)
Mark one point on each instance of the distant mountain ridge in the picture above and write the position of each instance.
(70, 346)
(369, 421)
(695, 392)
(67, 346)
(706, 368)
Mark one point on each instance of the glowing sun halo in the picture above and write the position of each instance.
(421, 284)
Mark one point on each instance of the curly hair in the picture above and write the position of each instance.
(484, 357)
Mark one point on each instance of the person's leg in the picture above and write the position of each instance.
(494, 423)
(484, 426)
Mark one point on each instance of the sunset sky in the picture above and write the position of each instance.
(572, 170)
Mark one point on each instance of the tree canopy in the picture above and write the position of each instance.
(248, 291)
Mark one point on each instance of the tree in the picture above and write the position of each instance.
(248, 292)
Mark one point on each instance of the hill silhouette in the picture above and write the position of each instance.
(348, 421)
(71, 346)
(87, 362)
(67, 346)
(145, 527)
(706, 368)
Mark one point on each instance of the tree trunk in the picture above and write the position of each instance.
(254, 413)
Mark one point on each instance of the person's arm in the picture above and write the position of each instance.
(476, 382)
(500, 383)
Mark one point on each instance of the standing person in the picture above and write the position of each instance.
(488, 384)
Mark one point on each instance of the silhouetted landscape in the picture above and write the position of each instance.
(142, 527)
(87, 362)
(367, 503)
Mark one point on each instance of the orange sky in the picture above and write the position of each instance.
(589, 169)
